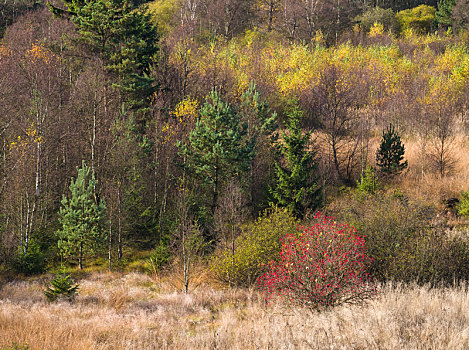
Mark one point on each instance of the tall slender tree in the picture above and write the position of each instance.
(262, 132)
(124, 38)
(218, 148)
(297, 180)
(81, 217)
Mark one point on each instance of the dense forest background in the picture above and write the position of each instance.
(181, 122)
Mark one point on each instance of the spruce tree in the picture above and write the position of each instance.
(81, 217)
(61, 287)
(218, 148)
(297, 181)
(390, 154)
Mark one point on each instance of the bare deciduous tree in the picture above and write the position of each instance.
(188, 241)
(335, 103)
(230, 215)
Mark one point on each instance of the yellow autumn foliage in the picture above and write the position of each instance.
(38, 53)
(258, 244)
(187, 108)
(377, 29)
(21, 143)
(289, 70)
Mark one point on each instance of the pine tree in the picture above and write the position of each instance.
(262, 132)
(81, 217)
(124, 37)
(218, 148)
(297, 180)
(256, 113)
(390, 154)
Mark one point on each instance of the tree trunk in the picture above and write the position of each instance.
(215, 188)
(336, 160)
(80, 259)
(110, 246)
(93, 142)
(26, 230)
(165, 198)
(119, 222)
(185, 258)
(186, 276)
(271, 15)
(29, 224)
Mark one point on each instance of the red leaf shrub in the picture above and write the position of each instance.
(320, 267)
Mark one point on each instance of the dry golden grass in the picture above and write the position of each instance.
(430, 185)
(131, 311)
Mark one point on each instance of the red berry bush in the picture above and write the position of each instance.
(320, 267)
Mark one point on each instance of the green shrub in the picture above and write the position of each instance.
(442, 259)
(444, 13)
(403, 242)
(368, 183)
(463, 207)
(16, 346)
(61, 288)
(386, 17)
(161, 255)
(452, 259)
(419, 19)
(33, 263)
(258, 244)
(389, 223)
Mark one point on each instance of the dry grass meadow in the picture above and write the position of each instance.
(133, 311)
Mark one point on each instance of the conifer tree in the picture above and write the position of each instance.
(390, 154)
(218, 148)
(262, 122)
(81, 217)
(61, 287)
(262, 132)
(124, 38)
(297, 180)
